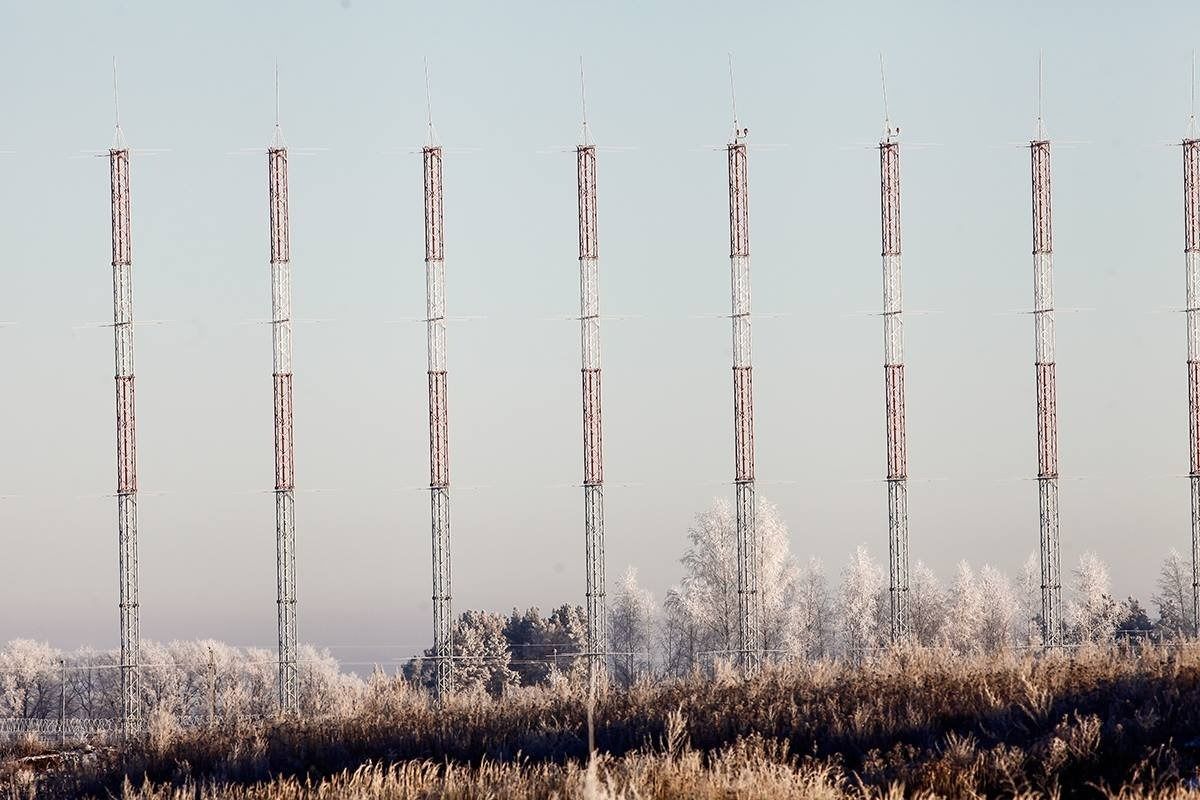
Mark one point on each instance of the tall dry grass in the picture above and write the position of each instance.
(1083, 724)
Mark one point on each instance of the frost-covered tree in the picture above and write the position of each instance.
(187, 688)
(92, 684)
(29, 678)
(679, 636)
(482, 656)
(631, 631)
(194, 679)
(1029, 602)
(256, 692)
(998, 628)
(779, 583)
(1174, 597)
(862, 593)
(813, 615)
(1136, 625)
(1093, 614)
(162, 679)
(568, 623)
(224, 695)
(926, 606)
(323, 688)
(708, 593)
(482, 662)
(540, 643)
(964, 611)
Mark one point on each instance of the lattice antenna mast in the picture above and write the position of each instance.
(439, 439)
(893, 373)
(748, 550)
(122, 267)
(1191, 255)
(593, 446)
(1047, 411)
(281, 339)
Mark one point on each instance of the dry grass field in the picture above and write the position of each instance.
(909, 723)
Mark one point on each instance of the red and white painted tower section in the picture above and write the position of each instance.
(893, 382)
(122, 266)
(593, 445)
(285, 480)
(1191, 253)
(1047, 410)
(439, 438)
(749, 566)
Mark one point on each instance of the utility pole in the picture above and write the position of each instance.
(62, 702)
(212, 687)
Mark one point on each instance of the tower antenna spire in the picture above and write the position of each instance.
(1192, 106)
(277, 136)
(1041, 124)
(887, 120)
(586, 138)
(429, 105)
(733, 100)
(118, 134)
(116, 95)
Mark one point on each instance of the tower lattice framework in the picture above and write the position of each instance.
(893, 381)
(122, 266)
(439, 442)
(593, 448)
(749, 556)
(1191, 250)
(1047, 410)
(285, 484)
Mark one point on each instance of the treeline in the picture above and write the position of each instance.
(186, 679)
(807, 617)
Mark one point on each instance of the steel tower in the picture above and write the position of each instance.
(593, 446)
(748, 551)
(285, 485)
(893, 381)
(1047, 411)
(439, 438)
(1191, 251)
(122, 266)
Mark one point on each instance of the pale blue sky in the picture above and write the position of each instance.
(199, 83)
